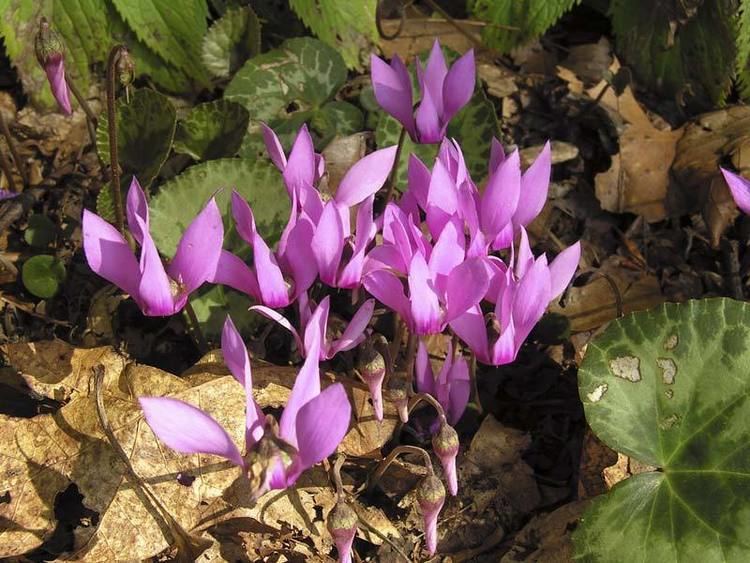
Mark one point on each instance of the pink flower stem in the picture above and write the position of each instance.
(200, 338)
(416, 399)
(16, 158)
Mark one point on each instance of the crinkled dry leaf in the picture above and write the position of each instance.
(341, 154)
(418, 34)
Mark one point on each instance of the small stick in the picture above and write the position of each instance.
(12, 147)
(114, 163)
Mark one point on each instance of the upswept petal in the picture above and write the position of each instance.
(497, 155)
(442, 199)
(316, 329)
(391, 85)
(506, 347)
(470, 327)
(430, 128)
(199, 249)
(525, 258)
(280, 319)
(458, 86)
(187, 429)
(365, 177)
(273, 146)
(562, 269)
(447, 253)
(418, 179)
(108, 254)
(136, 205)
(354, 333)
(297, 256)
(434, 75)
(425, 306)
(466, 286)
(306, 387)
(273, 288)
(244, 221)
(328, 243)
(233, 272)
(501, 196)
(531, 299)
(534, 188)
(301, 167)
(740, 189)
(384, 286)
(154, 294)
(460, 390)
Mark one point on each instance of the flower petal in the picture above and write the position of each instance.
(365, 177)
(418, 178)
(354, 333)
(235, 357)
(429, 126)
(199, 249)
(458, 86)
(466, 286)
(273, 146)
(55, 69)
(442, 199)
(306, 387)
(321, 425)
(562, 269)
(392, 88)
(316, 329)
(531, 299)
(328, 243)
(108, 254)
(273, 287)
(187, 429)
(740, 188)
(434, 76)
(384, 286)
(470, 328)
(136, 205)
(534, 188)
(460, 390)
(155, 289)
(425, 307)
(244, 221)
(304, 270)
(233, 272)
(497, 155)
(281, 320)
(423, 375)
(301, 166)
(500, 198)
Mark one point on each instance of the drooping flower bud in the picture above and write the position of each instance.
(342, 525)
(372, 370)
(49, 53)
(398, 391)
(445, 445)
(431, 497)
(125, 68)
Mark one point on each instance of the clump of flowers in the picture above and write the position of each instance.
(447, 256)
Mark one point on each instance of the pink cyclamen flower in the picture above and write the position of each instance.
(49, 53)
(342, 525)
(451, 388)
(310, 429)
(442, 286)
(443, 92)
(157, 290)
(521, 296)
(316, 323)
(431, 498)
(740, 189)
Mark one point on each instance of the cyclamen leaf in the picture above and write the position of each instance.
(179, 200)
(349, 27)
(669, 387)
(42, 275)
(230, 41)
(172, 30)
(743, 49)
(531, 18)
(145, 129)
(212, 130)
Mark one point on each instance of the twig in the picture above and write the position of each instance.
(379, 21)
(14, 153)
(114, 162)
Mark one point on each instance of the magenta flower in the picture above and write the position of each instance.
(156, 290)
(740, 189)
(316, 323)
(443, 92)
(451, 388)
(49, 53)
(521, 296)
(310, 429)
(442, 286)
(431, 498)
(276, 279)
(342, 525)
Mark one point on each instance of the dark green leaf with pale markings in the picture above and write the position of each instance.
(670, 387)
(212, 130)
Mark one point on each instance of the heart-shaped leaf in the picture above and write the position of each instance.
(670, 388)
(212, 130)
(182, 198)
(230, 41)
(295, 82)
(40, 232)
(145, 129)
(42, 275)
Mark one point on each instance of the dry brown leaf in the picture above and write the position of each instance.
(340, 154)
(595, 457)
(418, 35)
(589, 61)
(590, 306)
(624, 468)
(561, 152)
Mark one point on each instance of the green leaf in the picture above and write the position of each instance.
(670, 388)
(230, 41)
(347, 26)
(180, 200)
(213, 305)
(290, 85)
(145, 129)
(212, 130)
(743, 49)
(530, 18)
(173, 30)
(695, 57)
(40, 232)
(42, 275)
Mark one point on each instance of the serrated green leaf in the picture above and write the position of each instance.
(105, 207)
(230, 41)
(145, 129)
(349, 27)
(172, 30)
(212, 130)
(669, 387)
(179, 200)
(743, 49)
(530, 18)
(692, 59)
(42, 275)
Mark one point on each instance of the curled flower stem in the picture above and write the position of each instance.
(14, 153)
(7, 170)
(391, 457)
(427, 398)
(90, 117)
(336, 475)
(394, 171)
(114, 56)
(379, 21)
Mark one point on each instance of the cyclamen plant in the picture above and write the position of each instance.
(431, 258)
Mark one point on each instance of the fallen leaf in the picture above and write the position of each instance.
(418, 34)
(340, 155)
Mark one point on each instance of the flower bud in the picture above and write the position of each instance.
(372, 370)
(125, 68)
(445, 445)
(342, 525)
(49, 53)
(398, 391)
(431, 497)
